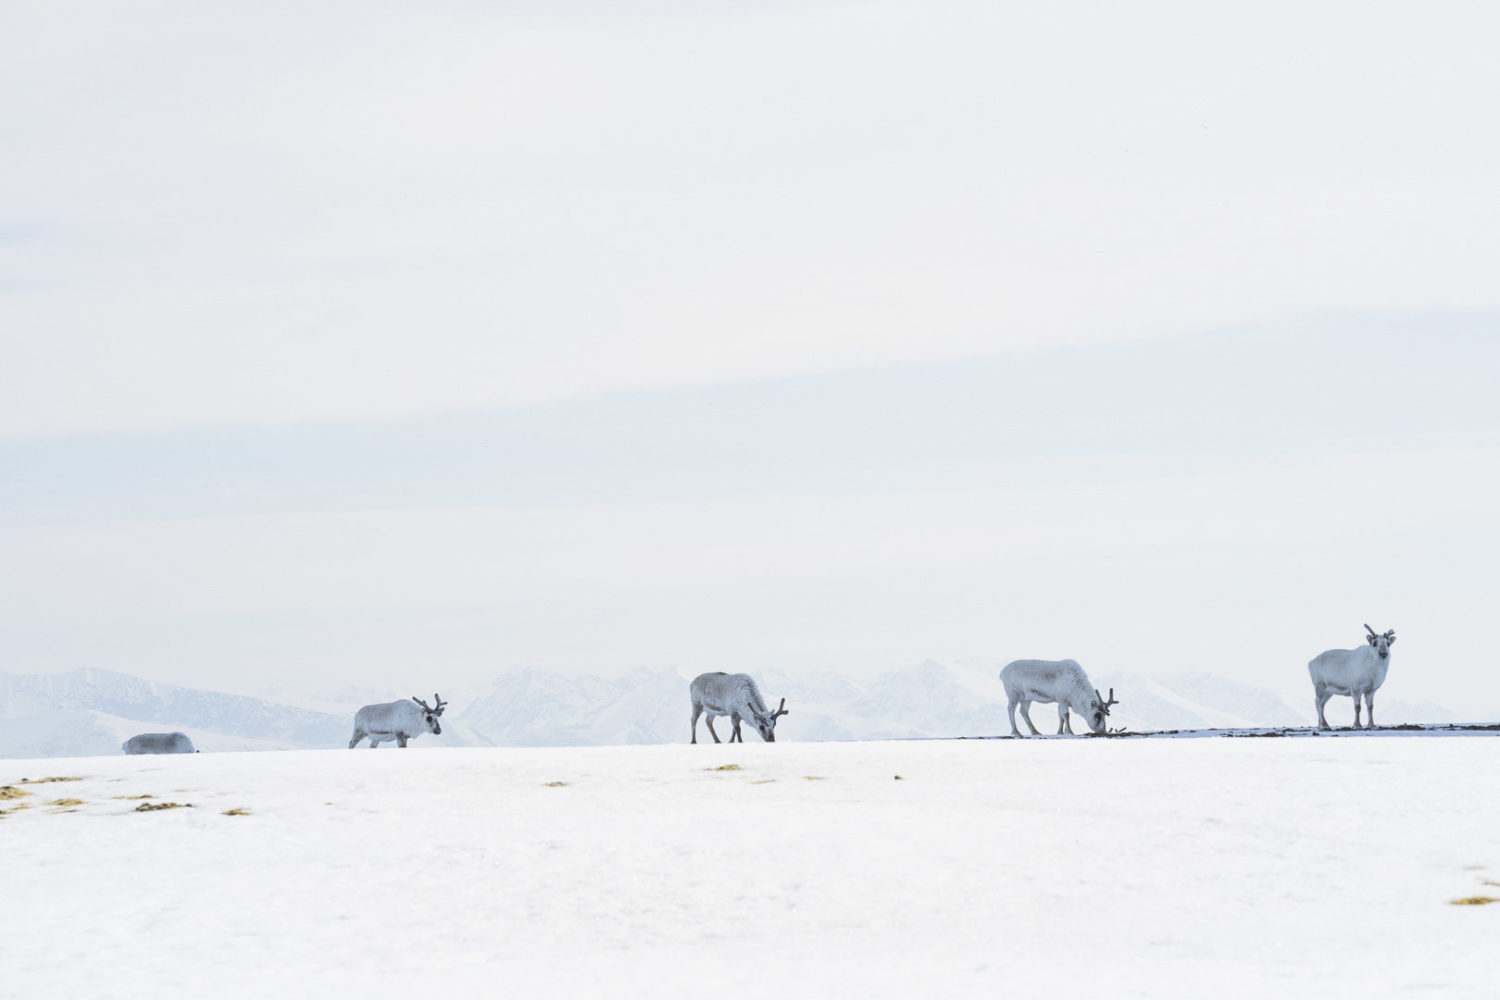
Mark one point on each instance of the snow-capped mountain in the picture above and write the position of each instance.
(533, 708)
(85, 711)
(91, 712)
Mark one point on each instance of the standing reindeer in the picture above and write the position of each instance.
(736, 696)
(1353, 672)
(397, 720)
(1062, 681)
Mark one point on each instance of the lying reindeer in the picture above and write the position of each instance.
(159, 743)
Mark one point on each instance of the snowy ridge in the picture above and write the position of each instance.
(87, 712)
(157, 704)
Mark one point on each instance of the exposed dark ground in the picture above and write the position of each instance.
(1433, 729)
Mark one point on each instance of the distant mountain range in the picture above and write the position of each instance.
(929, 700)
(91, 712)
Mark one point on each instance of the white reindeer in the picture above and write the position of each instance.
(159, 743)
(1047, 681)
(1353, 672)
(736, 696)
(397, 720)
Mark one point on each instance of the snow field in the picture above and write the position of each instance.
(1143, 868)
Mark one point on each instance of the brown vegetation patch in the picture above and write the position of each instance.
(146, 807)
(724, 767)
(66, 802)
(236, 812)
(44, 781)
(132, 798)
(1475, 901)
(763, 781)
(816, 777)
(557, 784)
(11, 792)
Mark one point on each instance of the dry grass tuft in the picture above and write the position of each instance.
(66, 802)
(724, 767)
(146, 807)
(236, 812)
(131, 798)
(11, 792)
(557, 784)
(1475, 901)
(44, 781)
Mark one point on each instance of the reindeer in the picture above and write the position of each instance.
(1353, 672)
(1047, 681)
(736, 696)
(158, 743)
(397, 720)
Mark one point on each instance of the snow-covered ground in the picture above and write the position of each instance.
(1136, 868)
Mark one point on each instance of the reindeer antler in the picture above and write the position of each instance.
(1106, 703)
(438, 703)
(425, 707)
(780, 710)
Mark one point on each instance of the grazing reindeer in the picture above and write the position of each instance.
(1046, 681)
(1353, 672)
(736, 696)
(158, 743)
(397, 720)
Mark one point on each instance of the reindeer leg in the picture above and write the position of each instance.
(709, 721)
(736, 736)
(1370, 708)
(1320, 694)
(1357, 723)
(359, 734)
(1026, 714)
(697, 711)
(1010, 710)
(401, 740)
(1062, 719)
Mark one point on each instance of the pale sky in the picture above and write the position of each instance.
(412, 343)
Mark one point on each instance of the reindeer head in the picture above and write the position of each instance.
(767, 723)
(1099, 710)
(1381, 642)
(431, 712)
